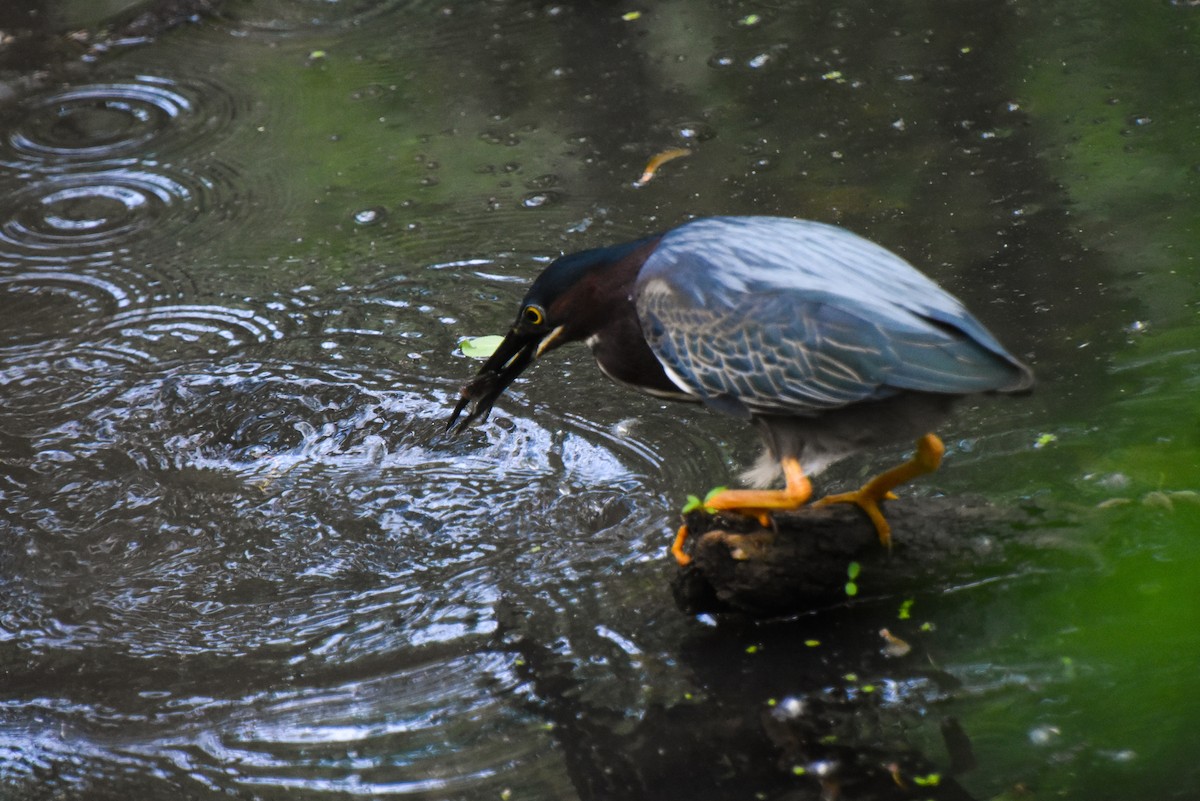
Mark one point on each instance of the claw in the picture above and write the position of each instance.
(868, 497)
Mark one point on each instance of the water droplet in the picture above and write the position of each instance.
(695, 132)
(370, 216)
(1044, 735)
(538, 199)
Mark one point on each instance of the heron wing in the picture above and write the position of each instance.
(772, 315)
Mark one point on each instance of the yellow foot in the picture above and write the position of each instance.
(760, 503)
(864, 500)
(868, 497)
(757, 503)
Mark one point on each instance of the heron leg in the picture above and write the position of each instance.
(867, 497)
(756, 503)
(681, 558)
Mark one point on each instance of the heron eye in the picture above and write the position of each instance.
(533, 315)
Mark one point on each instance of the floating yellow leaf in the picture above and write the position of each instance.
(659, 160)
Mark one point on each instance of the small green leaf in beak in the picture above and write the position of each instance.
(480, 347)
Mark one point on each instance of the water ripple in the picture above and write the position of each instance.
(283, 17)
(414, 730)
(36, 305)
(113, 120)
(310, 533)
(210, 329)
(93, 215)
(55, 382)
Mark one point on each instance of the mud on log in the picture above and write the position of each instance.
(737, 566)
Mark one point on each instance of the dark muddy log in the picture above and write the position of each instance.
(805, 563)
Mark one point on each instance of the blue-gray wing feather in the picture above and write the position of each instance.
(773, 315)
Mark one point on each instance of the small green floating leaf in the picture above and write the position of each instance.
(928, 780)
(694, 503)
(630, 16)
(1044, 440)
(750, 19)
(851, 589)
(480, 347)
(853, 569)
(799, 770)
(1068, 667)
(752, 649)
(812, 643)
(906, 609)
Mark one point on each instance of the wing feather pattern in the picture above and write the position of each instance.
(776, 316)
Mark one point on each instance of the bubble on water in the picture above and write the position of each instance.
(539, 199)
(370, 216)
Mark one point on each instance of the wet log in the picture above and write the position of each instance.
(806, 562)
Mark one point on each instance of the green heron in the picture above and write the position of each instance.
(827, 342)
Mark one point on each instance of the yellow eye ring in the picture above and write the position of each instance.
(534, 315)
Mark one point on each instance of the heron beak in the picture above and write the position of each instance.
(516, 352)
(545, 344)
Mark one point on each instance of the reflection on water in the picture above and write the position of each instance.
(240, 555)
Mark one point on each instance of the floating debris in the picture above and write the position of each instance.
(480, 347)
(659, 160)
(1045, 439)
(894, 646)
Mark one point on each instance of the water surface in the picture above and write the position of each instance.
(239, 555)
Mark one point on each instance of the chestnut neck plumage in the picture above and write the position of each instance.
(601, 310)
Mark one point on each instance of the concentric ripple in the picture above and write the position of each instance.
(102, 121)
(41, 385)
(38, 304)
(191, 328)
(91, 213)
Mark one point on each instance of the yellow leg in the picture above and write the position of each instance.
(677, 547)
(926, 460)
(756, 503)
